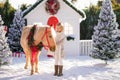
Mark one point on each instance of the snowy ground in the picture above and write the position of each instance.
(77, 68)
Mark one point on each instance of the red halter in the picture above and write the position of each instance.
(35, 49)
(46, 36)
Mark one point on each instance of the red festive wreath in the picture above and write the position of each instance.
(52, 6)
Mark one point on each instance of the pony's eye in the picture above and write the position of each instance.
(50, 36)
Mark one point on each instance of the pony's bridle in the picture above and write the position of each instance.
(46, 36)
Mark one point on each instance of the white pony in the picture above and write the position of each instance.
(33, 38)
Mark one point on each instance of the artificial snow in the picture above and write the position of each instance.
(75, 68)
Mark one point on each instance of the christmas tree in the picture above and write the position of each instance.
(5, 53)
(104, 42)
(15, 32)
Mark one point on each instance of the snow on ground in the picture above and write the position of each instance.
(77, 68)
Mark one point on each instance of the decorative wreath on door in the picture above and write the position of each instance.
(52, 6)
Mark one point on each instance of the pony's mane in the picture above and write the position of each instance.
(40, 26)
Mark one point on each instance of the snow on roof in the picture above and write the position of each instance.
(25, 12)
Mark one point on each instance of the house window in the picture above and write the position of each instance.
(68, 29)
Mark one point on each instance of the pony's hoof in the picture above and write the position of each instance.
(25, 67)
(31, 73)
(36, 71)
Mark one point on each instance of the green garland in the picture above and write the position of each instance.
(31, 39)
(30, 36)
(52, 6)
(70, 38)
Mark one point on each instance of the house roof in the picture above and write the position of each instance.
(39, 1)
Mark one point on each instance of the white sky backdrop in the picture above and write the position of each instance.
(80, 3)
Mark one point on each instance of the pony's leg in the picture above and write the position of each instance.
(36, 63)
(27, 57)
(32, 65)
(32, 68)
(27, 61)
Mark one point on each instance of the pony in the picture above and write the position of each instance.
(32, 40)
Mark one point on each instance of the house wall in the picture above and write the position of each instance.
(65, 15)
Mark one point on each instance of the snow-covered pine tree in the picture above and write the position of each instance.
(5, 53)
(15, 32)
(104, 42)
(1, 21)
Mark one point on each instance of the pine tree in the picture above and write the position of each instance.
(5, 53)
(104, 42)
(15, 32)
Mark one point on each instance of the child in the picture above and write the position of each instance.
(60, 36)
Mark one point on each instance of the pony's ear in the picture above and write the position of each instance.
(49, 29)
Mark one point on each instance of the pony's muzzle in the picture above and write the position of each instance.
(52, 49)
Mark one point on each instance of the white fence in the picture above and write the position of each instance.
(85, 47)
